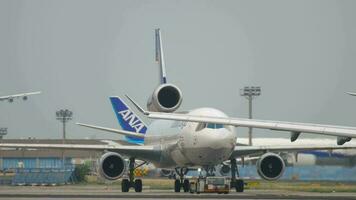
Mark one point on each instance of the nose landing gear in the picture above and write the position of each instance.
(126, 184)
(181, 182)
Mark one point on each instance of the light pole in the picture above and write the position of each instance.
(64, 116)
(250, 93)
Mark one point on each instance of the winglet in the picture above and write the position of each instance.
(139, 108)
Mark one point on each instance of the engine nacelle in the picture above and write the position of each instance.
(225, 169)
(165, 98)
(112, 166)
(166, 172)
(270, 166)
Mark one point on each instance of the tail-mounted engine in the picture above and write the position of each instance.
(165, 98)
(112, 166)
(270, 166)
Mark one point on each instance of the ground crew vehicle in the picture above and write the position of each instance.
(210, 185)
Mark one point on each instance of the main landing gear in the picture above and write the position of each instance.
(238, 184)
(181, 182)
(126, 184)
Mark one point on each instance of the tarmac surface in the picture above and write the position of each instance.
(103, 192)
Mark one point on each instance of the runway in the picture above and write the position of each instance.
(102, 192)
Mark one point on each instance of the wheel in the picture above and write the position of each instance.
(232, 184)
(125, 185)
(186, 185)
(177, 186)
(138, 185)
(239, 185)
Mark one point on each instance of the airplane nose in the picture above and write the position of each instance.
(220, 138)
(208, 146)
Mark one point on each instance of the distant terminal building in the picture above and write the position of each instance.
(43, 166)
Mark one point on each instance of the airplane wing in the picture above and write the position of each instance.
(344, 133)
(24, 95)
(141, 152)
(121, 132)
(241, 151)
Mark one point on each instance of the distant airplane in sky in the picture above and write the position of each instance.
(24, 96)
(185, 140)
(351, 93)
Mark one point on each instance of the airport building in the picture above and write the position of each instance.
(43, 166)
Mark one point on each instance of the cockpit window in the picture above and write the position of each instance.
(215, 126)
(211, 126)
(201, 126)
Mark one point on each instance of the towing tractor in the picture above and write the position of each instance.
(210, 185)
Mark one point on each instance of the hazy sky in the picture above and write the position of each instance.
(78, 53)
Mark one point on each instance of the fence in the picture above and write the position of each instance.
(43, 176)
(37, 171)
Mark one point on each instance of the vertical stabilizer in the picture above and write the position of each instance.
(160, 57)
(128, 120)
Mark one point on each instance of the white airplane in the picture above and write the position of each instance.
(24, 96)
(351, 93)
(200, 138)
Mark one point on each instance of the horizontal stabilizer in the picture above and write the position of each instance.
(121, 132)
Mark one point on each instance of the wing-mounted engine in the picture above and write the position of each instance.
(270, 166)
(166, 172)
(165, 98)
(112, 166)
(225, 169)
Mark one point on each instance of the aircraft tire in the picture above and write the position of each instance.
(176, 186)
(138, 185)
(239, 185)
(125, 185)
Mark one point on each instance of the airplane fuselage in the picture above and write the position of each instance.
(189, 144)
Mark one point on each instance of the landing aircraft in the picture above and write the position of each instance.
(351, 93)
(24, 96)
(184, 140)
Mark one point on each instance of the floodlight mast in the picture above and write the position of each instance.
(249, 93)
(64, 116)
